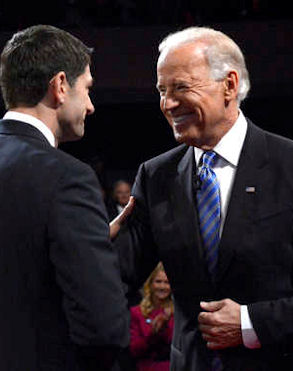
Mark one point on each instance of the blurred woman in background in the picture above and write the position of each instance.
(152, 324)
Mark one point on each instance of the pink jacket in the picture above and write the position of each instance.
(151, 351)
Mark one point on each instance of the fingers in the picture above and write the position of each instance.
(168, 312)
(121, 218)
(159, 322)
(209, 332)
(128, 208)
(218, 312)
(206, 318)
(215, 346)
(211, 336)
(212, 306)
(116, 223)
(209, 316)
(219, 323)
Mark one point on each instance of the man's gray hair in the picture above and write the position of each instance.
(222, 53)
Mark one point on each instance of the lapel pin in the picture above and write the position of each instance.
(250, 189)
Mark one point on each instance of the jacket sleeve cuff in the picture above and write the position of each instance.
(249, 337)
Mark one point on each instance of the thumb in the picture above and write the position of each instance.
(212, 306)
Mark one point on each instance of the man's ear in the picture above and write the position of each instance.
(231, 86)
(58, 87)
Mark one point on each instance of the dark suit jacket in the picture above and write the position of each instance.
(61, 301)
(123, 246)
(256, 251)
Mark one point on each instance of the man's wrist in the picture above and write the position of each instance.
(249, 337)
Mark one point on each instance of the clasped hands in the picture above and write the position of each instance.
(220, 324)
(161, 320)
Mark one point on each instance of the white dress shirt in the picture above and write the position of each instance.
(28, 119)
(228, 150)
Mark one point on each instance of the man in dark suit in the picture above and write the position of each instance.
(62, 304)
(231, 268)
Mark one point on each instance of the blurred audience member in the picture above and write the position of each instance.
(152, 324)
(120, 197)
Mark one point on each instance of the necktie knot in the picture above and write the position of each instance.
(208, 159)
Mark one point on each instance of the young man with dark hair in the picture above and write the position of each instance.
(62, 304)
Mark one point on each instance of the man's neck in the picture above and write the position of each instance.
(43, 114)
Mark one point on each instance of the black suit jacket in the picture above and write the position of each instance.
(123, 246)
(62, 305)
(256, 251)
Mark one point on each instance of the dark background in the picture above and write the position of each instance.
(127, 126)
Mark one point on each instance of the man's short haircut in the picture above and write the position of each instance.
(32, 57)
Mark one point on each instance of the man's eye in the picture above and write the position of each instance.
(181, 87)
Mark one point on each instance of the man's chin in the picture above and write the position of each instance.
(190, 140)
(180, 137)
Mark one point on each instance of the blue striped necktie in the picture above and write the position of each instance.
(209, 210)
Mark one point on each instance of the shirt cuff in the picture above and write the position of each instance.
(249, 337)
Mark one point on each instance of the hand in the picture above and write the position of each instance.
(160, 321)
(220, 324)
(116, 223)
(168, 312)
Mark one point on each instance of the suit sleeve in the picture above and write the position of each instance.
(86, 265)
(272, 321)
(144, 255)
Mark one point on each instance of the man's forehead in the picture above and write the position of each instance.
(194, 50)
(182, 64)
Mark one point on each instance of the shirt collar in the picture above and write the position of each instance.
(31, 120)
(230, 146)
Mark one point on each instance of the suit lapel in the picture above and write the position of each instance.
(250, 178)
(182, 196)
(180, 187)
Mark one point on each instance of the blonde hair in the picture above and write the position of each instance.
(147, 304)
(222, 53)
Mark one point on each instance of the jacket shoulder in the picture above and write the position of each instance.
(173, 156)
(273, 139)
(135, 311)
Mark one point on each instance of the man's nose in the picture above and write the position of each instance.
(169, 103)
(90, 107)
